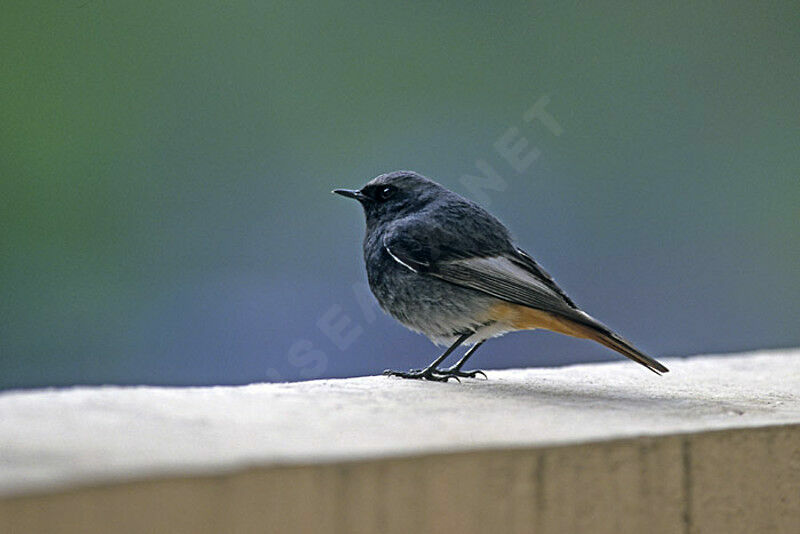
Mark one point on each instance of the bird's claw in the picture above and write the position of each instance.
(426, 374)
(456, 373)
(437, 375)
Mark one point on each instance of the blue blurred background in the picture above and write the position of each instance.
(166, 172)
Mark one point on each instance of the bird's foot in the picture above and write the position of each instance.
(458, 373)
(429, 373)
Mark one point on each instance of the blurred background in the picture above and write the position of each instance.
(165, 174)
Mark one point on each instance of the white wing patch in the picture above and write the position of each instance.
(501, 265)
(501, 277)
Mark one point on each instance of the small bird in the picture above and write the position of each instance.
(445, 267)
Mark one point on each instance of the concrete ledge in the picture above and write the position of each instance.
(714, 446)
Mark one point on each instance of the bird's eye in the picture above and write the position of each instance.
(387, 192)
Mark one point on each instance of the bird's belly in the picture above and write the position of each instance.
(435, 308)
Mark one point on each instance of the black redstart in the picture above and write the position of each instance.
(445, 267)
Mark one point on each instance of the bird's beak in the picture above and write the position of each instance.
(350, 193)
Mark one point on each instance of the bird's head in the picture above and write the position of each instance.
(394, 195)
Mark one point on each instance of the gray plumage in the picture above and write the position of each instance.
(443, 266)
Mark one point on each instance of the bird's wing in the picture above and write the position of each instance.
(511, 276)
(524, 260)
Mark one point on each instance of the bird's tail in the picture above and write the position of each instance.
(590, 328)
(572, 322)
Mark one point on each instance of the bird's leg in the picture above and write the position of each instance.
(430, 372)
(455, 371)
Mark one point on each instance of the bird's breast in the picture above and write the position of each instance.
(423, 303)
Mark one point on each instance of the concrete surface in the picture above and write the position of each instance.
(713, 446)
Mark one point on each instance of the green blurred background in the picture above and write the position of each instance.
(166, 167)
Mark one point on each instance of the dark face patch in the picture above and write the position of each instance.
(397, 194)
